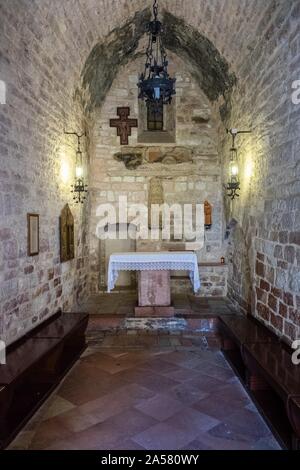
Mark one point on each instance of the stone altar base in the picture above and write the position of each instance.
(154, 294)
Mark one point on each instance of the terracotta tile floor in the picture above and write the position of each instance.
(148, 389)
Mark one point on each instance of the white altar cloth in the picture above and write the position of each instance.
(158, 261)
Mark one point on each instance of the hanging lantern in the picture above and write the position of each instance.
(155, 84)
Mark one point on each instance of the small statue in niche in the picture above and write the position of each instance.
(207, 215)
(67, 249)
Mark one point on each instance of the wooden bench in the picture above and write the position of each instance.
(34, 367)
(264, 366)
(237, 331)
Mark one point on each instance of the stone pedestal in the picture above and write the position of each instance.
(154, 294)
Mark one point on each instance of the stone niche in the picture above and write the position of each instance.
(168, 135)
(186, 170)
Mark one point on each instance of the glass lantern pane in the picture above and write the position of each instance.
(155, 116)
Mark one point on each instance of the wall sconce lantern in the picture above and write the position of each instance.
(233, 186)
(79, 188)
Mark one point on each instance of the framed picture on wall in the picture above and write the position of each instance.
(33, 234)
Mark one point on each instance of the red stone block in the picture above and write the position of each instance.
(29, 269)
(272, 302)
(260, 257)
(294, 316)
(264, 285)
(276, 321)
(277, 292)
(288, 298)
(263, 311)
(283, 310)
(295, 238)
(159, 312)
(261, 295)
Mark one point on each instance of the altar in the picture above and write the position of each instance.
(154, 286)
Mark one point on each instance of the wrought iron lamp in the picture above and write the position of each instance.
(79, 188)
(155, 84)
(234, 186)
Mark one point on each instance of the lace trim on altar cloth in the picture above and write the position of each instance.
(164, 262)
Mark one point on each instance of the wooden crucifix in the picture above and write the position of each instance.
(123, 124)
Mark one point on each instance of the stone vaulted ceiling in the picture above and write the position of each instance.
(226, 32)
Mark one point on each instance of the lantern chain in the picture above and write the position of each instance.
(155, 9)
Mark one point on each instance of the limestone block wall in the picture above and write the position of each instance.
(43, 49)
(264, 249)
(213, 281)
(36, 171)
(189, 169)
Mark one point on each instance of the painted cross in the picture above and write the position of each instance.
(123, 124)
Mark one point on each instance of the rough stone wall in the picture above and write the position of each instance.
(213, 281)
(43, 49)
(264, 274)
(37, 164)
(196, 176)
